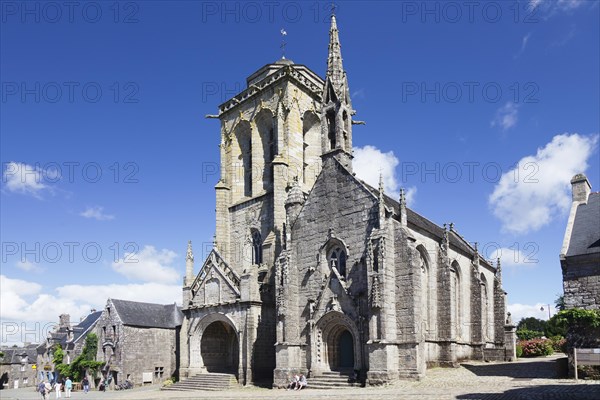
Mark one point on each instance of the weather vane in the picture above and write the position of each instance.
(333, 7)
(283, 42)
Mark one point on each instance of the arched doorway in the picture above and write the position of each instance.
(219, 348)
(340, 349)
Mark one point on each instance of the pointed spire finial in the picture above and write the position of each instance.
(190, 254)
(381, 201)
(402, 210)
(498, 273)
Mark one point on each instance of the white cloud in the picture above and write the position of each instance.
(520, 311)
(537, 190)
(149, 265)
(24, 178)
(506, 116)
(28, 313)
(569, 4)
(369, 162)
(514, 257)
(524, 42)
(28, 266)
(96, 212)
(549, 8)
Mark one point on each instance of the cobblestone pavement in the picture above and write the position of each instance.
(533, 379)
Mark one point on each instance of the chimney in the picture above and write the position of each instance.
(581, 188)
(64, 321)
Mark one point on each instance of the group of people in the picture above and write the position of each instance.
(45, 388)
(298, 383)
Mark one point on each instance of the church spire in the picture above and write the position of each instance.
(335, 69)
(336, 112)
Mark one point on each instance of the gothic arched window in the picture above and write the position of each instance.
(426, 302)
(456, 291)
(485, 308)
(337, 259)
(331, 134)
(376, 258)
(257, 256)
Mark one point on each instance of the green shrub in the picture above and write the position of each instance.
(168, 382)
(559, 344)
(527, 334)
(519, 350)
(536, 347)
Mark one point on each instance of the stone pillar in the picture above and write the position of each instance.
(184, 355)
(510, 340)
(222, 226)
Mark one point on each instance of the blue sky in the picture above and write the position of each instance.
(454, 95)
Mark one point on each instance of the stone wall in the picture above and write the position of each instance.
(581, 281)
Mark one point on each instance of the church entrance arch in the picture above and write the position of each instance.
(219, 348)
(340, 349)
(337, 346)
(214, 345)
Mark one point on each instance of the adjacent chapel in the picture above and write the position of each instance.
(314, 271)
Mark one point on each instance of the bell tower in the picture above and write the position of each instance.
(270, 135)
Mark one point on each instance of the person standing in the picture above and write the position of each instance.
(68, 387)
(86, 384)
(57, 387)
(47, 390)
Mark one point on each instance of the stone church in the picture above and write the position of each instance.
(312, 270)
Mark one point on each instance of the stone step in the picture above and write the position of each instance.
(209, 381)
(332, 380)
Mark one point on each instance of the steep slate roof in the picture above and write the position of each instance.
(456, 240)
(13, 355)
(148, 315)
(88, 322)
(585, 236)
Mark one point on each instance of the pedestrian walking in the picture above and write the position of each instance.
(68, 387)
(57, 387)
(86, 384)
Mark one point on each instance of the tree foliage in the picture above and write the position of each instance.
(86, 361)
(532, 324)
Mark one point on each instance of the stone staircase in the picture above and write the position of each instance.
(332, 380)
(209, 381)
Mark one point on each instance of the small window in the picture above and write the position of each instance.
(108, 311)
(337, 259)
(25, 381)
(257, 256)
(22, 368)
(114, 330)
(103, 331)
(159, 371)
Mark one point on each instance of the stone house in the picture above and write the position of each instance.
(18, 366)
(580, 253)
(314, 271)
(70, 337)
(138, 341)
